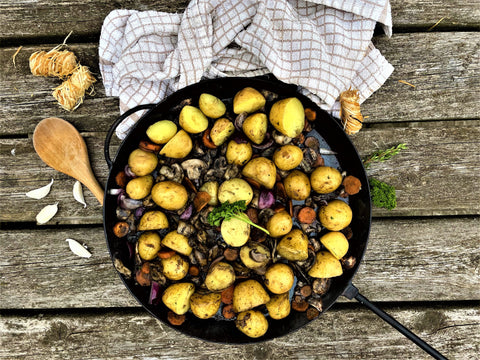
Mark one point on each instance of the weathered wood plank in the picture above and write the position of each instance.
(402, 256)
(355, 334)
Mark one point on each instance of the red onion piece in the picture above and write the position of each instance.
(239, 120)
(266, 199)
(154, 293)
(126, 203)
(268, 142)
(187, 213)
(139, 211)
(131, 249)
(115, 191)
(129, 172)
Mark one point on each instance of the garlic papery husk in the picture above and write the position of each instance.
(78, 249)
(78, 193)
(40, 193)
(47, 213)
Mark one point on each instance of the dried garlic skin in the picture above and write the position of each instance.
(46, 213)
(78, 193)
(78, 249)
(41, 192)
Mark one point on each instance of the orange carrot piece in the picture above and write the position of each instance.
(306, 215)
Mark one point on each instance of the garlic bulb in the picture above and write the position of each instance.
(40, 193)
(78, 249)
(47, 213)
(78, 193)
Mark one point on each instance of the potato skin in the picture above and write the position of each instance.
(175, 267)
(288, 117)
(220, 277)
(192, 120)
(177, 297)
(211, 106)
(336, 243)
(211, 187)
(142, 162)
(169, 195)
(234, 190)
(204, 306)
(238, 154)
(153, 220)
(288, 157)
(177, 242)
(262, 170)
(148, 245)
(139, 187)
(235, 232)
(293, 246)
(221, 131)
(279, 224)
(325, 179)
(336, 215)
(279, 306)
(255, 127)
(279, 278)
(297, 185)
(252, 323)
(248, 100)
(325, 266)
(178, 146)
(249, 294)
(161, 131)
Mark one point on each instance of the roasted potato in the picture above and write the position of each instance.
(293, 246)
(149, 245)
(211, 106)
(235, 232)
(142, 162)
(177, 242)
(297, 185)
(279, 278)
(204, 306)
(249, 294)
(234, 190)
(252, 323)
(238, 153)
(153, 220)
(211, 187)
(261, 170)
(288, 117)
(325, 179)
(221, 131)
(325, 266)
(336, 215)
(255, 127)
(178, 146)
(162, 131)
(288, 157)
(279, 224)
(248, 100)
(336, 243)
(255, 255)
(139, 187)
(192, 120)
(169, 195)
(279, 306)
(177, 297)
(220, 276)
(175, 267)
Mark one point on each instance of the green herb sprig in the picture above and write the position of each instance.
(226, 211)
(382, 155)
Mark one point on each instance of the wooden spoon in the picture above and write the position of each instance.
(61, 147)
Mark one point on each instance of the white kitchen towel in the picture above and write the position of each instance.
(324, 46)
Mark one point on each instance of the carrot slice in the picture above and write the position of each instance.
(306, 215)
(201, 200)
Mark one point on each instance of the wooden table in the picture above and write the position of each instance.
(423, 260)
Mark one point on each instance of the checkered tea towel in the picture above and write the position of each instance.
(324, 46)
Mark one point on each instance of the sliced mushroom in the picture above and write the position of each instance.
(194, 168)
(231, 172)
(185, 228)
(258, 256)
(280, 138)
(321, 286)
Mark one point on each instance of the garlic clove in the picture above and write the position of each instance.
(47, 213)
(40, 193)
(78, 249)
(78, 193)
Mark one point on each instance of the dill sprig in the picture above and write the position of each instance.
(382, 155)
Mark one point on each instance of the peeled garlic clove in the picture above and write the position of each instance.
(47, 213)
(40, 192)
(78, 193)
(78, 249)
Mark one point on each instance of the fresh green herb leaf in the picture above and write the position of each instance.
(382, 155)
(382, 194)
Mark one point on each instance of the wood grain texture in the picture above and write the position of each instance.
(354, 334)
(402, 257)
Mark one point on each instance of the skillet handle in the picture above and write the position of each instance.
(108, 138)
(352, 293)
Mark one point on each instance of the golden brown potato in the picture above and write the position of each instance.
(211, 106)
(325, 266)
(297, 185)
(142, 162)
(336, 215)
(279, 224)
(255, 255)
(238, 154)
(255, 127)
(288, 117)
(234, 190)
(149, 245)
(153, 220)
(175, 267)
(252, 323)
(220, 276)
(336, 243)
(162, 131)
(139, 187)
(288, 157)
(169, 195)
(221, 131)
(235, 232)
(279, 278)
(178, 146)
(293, 246)
(177, 242)
(204, 306)
(249, 294)
(211, 187)
(261, 170)
(192, 120)
(325, 179)
(177, 297)
(279, 306)
(248, 100)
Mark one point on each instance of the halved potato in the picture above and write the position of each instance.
(178, 146)
(149, 245)
(248, 100)
(279, 306)
(177, 242)
(238, 153)
(161, 131)
(252, 323)
(336, 243)
(325, 266)
(211, 106)
(262, 170)
(221, 131)
(234, 190)
(235, 232)
(192, 120)
(153, 220)
(255, 127)
(177, 297)
(288, 117)
(293, 246)
(220, 277)
(204, 306)
(249, 294)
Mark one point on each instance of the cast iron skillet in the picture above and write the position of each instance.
(347, 156)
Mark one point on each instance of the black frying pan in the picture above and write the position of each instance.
(349, 160)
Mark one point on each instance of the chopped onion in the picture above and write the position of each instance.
(266, 199)
(187, 213)
(154, 293)
(115, 191)
(127, 203)
(129, 172)
(139, 211)
(268, 142)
